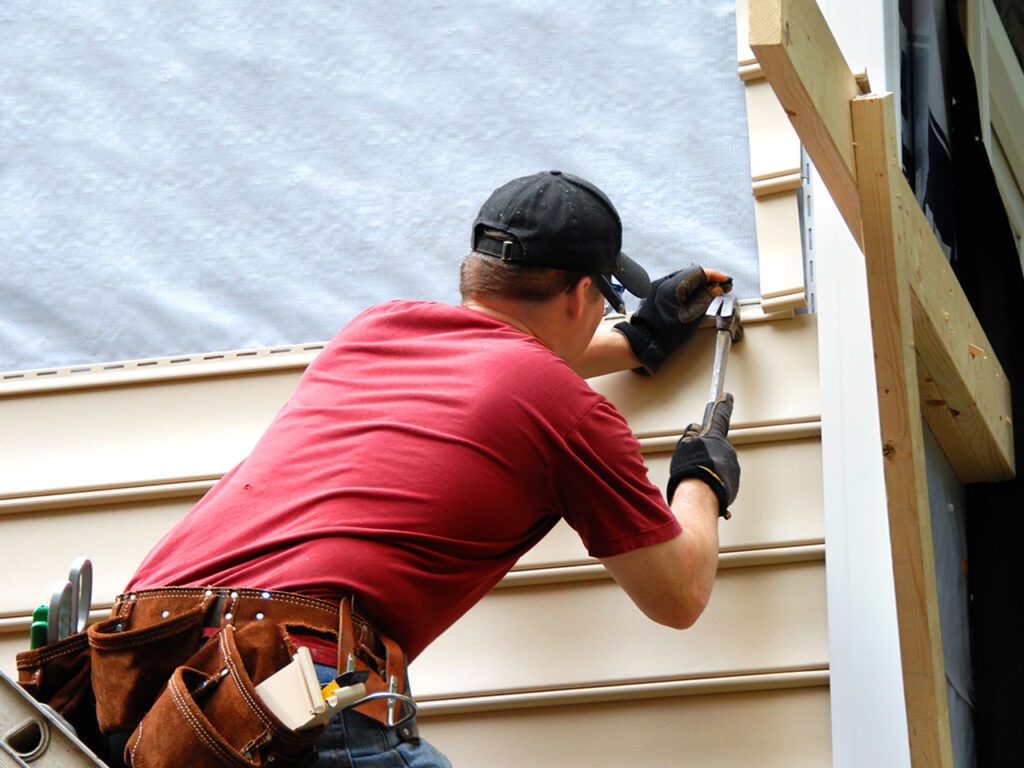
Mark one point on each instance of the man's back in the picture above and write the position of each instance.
(425, 450)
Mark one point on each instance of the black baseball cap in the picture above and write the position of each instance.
(556, 220)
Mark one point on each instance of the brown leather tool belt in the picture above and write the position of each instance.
(360, 645)
(157, 666)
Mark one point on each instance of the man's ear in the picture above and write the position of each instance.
(577, 297)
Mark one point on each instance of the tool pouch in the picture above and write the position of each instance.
(130, 666)
(377, 653)
(210, 714)
(58, 674)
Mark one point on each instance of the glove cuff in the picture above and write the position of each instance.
(644, 347)
(701, 472)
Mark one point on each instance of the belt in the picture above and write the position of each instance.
(360, 644)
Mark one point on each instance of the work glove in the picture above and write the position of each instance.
(705, 453)
(668, 317)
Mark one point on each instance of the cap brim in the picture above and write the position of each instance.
(610, 294)
(632, 276)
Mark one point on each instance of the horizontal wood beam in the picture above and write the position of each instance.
(965, 393)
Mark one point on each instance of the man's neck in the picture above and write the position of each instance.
(498, 314)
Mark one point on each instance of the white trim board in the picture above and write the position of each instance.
(869, 720)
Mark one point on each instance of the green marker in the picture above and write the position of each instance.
(37, 633)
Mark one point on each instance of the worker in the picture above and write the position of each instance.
(425, 449)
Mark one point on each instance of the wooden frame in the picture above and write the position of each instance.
(968, 398)
(916, 303)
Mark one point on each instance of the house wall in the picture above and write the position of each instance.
(102, 463)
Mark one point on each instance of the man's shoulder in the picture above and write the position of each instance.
(423, 314)
(406, 306)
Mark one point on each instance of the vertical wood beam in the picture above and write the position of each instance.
(886, 251)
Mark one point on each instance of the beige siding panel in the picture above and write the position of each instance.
(562, 629)
(119, 437)
(780, 498)
(774, 146)
(768, 729)
(40, 547)
(743, 53)
(779, 506)
(780, 252)
(64, 440)
(779, 503)
(769, 618)
(100, 437)
(773, 373)
(12, 643)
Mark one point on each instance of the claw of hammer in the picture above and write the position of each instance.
(726, 312)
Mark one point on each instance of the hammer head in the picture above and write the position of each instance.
(726, 312)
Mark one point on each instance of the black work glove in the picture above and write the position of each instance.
(707, 455)
(668, 317)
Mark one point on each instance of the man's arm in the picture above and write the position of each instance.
(671, 582)
(663, 322)
(608, 352)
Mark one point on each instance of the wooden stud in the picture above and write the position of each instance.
(888, 267)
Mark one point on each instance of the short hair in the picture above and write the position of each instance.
(482, 275)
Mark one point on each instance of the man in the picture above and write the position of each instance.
(423, 452)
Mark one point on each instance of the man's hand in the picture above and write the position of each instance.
(707, 455)
(670, 314)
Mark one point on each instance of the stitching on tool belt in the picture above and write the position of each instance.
(281, 597)
(185, 707)
(115, 640)
(235, 676)
(48, 655)
(138, 738)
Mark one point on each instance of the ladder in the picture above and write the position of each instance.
(32, 735)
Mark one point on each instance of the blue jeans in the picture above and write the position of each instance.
(353, 740)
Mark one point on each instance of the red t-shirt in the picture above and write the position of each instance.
(424, 451)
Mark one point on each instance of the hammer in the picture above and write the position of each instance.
(726, 312)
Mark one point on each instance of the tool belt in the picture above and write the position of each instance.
(189, 699)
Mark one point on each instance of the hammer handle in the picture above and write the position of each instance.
(723, 342)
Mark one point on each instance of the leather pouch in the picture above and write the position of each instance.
(130, 666)
(210, 715)
(58, 674)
